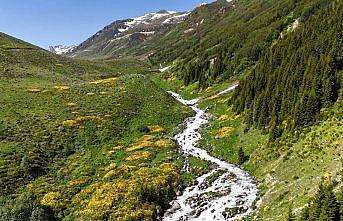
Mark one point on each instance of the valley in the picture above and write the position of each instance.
(226, 193)
(229, 111)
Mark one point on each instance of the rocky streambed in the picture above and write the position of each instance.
(226, 193)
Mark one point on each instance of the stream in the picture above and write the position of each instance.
(226, 193)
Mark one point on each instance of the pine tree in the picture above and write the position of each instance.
(241, 156)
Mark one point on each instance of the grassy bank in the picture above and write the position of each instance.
(288, 171)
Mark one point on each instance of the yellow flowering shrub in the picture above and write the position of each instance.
(110, 174)
(120, 198)
(138, 156)
(118, 148)
(213, 97)
(104, 81)
(148, 137)
(112, 166)
(209, 89)
(139, 145)
(266, 209)
(34, 90)
(164, 143)
(169, 167)
(82, 119)
(52, 200)
(224, 132)
(71, 104)
(77, 182)
(156, 129)
(82, 197)
(69, 123)
(223, 101)
(127, 168)
(223, 118)
(171, 79)
(61, 88)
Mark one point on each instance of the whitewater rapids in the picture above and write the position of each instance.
(232, 193)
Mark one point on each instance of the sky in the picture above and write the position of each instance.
(69, 22)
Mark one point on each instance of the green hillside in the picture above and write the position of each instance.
(20, 59)
(224, 40)
(92, 140)
(284, 121)
(71, 131)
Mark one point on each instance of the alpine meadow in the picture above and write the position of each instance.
(232, 110)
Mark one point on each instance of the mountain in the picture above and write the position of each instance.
(283, 121)
(117, 38)
(61, 50)
(90, 138)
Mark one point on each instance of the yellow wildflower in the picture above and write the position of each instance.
(138, 156)
(223, 118)
(34, 90)
(71, 104)
(88, 118)
(266, 209)
(104, 81)
(140, 145)
(61, 88)
(148, 137)
(171, 79)
(156, 129)
(164, 144)
(69, 123)
(224, 132)
(110, 174)
(213, 97)
(52, 200)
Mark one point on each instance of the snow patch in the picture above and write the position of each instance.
(62, 50)
(176, 18)
(188, 30)
(147, 19)
(165, 69)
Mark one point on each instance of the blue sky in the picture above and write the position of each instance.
(68, 22)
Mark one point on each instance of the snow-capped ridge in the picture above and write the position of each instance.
(171, 17)
(61, 49)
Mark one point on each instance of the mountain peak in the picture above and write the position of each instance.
(165, 12)
(61, 49)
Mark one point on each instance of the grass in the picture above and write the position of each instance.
(170, 82)
(288, 171)
(62, 149)
(91, 140)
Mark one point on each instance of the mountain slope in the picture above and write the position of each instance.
(222, 40)
(115, 39)
(72, 130)
(93, 145)
(21, 59)
(283, 123)
(298, 76)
